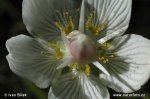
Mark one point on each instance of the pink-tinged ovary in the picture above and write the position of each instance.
(81, 47)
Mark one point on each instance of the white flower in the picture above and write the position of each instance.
(79, 48)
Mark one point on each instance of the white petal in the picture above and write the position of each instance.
(108, 82)
(40, 16)
(26, 60)
(116, 12)
(81, 87)
(130, 69)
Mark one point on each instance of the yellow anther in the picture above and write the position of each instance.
(87, 70)
(103, 59)
(69, 25)
(109, 45)
(59, 54)
(104, 56)
(74, 66)
(88, 23)
(100, 28)
(84, 68)
(57, 51)
(71, 22)
(54, 45)
(105, 45)
(100, 57)
(92, 27)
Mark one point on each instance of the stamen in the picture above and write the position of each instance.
(92, 24)
(88, 23)
(101, 28)
(57, 48)
(87, 70)
(107, 45)
(54, 44)
(59, 54)
(103, 59)
(69, 26)
(104, 55)
(74, 68)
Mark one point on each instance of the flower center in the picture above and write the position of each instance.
(81, 47)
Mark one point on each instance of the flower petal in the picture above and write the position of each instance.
(130, 69)
(116, 13)
(26, 60)
(40, 17)
(109, 83)
(81, 87)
